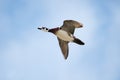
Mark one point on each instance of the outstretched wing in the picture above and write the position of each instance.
(64, 47)
(70, 25)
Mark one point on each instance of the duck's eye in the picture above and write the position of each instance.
(46, 28)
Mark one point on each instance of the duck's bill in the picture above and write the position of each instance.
(39, 28)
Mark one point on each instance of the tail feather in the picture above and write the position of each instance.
(78, 41)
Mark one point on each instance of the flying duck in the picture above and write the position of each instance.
(65, 34)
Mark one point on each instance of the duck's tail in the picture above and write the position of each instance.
(78, 41)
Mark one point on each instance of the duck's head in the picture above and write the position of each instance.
(44, 29)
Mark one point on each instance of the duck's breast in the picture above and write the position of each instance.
(64, 35)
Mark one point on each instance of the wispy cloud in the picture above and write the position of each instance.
(27, 53)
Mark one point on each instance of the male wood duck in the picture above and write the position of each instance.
(65, 34)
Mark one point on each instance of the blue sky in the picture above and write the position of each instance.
(29, 54)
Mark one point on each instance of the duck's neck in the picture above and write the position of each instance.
(54, 30)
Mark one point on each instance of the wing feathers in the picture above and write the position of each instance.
(64, 47)
(70, 25)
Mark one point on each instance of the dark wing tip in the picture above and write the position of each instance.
(65, 56)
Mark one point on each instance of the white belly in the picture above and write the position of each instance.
(64, 35)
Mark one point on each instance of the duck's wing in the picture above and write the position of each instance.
(70, 25)
(64, 47)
